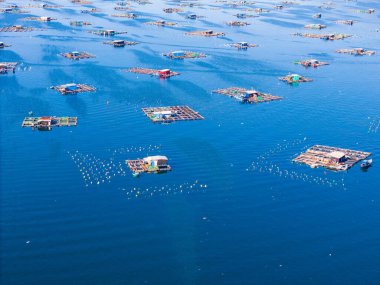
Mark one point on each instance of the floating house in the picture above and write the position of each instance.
(150, 164)
(333, 158)
(73, 88)
(48, 122)
(108, 33)
(161, 23)
(345, 22)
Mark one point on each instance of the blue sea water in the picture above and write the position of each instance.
(235, 209)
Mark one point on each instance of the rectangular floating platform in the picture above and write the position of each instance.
(184, 54)
(332, 158)
(139, 166)
(17, 28)
(79, 23)
(128, 16)
(47, 123)
(237, 24)
(246, 95)
(242, 45)
(106, 32)
(162, 23)
(164, 73)
(356, 51)
(329, 37)
(120, 43)
(77, 55)
(73, 88)
(172, 10)
(5, 67)
(208, 33)
(171, 114)
(40, 19)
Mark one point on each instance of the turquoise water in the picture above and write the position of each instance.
(235, 209)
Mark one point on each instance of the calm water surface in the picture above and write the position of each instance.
(235, 209)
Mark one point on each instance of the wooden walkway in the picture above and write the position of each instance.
(320, 156)
(171, 114)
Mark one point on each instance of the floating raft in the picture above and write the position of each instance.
(172, 10)
(41, 19)
(17, 28)
(315, 26)
(311, 63)
(82, 2)
(106, 32)
(5, 67)
(184, 54)
(163, 73)
(208, 33)
(356, 51)
(244, 16)
(3, 45)
(329, 37)
(345, 22)
(295, 78)
(237, 23)
(162, 23)
(317, 16)
(76, 55)
(171, 114)
(242, 45)
(73, 88)
(140, 166)
(120, 43)
(247, 96)
(121, 8)
(47, 123)
(333, 158)
(368, 11)
(79, 23)
(89, 11)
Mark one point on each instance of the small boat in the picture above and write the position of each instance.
(136, 174)
(366, 163)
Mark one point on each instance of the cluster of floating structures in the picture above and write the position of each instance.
(247, 96)
(161, 73)
(128, 15)
(172, 10)
(73, 88)
(171, 114)
(79, 23)
(49, 122)
(184, 54)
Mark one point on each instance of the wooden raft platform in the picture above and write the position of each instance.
(242, 45)
(310, 63)
(40, 19)
(356, 51)
(107, 32)
(345, 22)
(128, 16)
(333, 158)
(5, 67)
(295, 78)
(49, 122)
(120, 43)
(328, 37)
(315, 26)
(162, 23)
(138, 166)
(171, 114)
(73, 88)
(79, 23)
(165, 73)
(237, 23)
(246, 95)
(17, 28)
(172, 10)
(208, 33)
(3, 45)
(183, 55)
(75, 55)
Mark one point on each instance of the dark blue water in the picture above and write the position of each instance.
(235, 209)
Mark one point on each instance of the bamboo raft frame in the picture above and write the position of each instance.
(18, 28)
(181, 113)
(187, 54)
(345, 22)
(172, 10)
(5, 67)
(356, 51)
(311, 63)
(239, 93)
(237, 24)
(119, 44)
(161, 23)
(32, 122)
(315, 26)
(152, 72)
(80, 88)
(319, 156)
(289, 79)
(240, 46)
(139, 166)
(107, 33)
(205, 33)
(81, 55)
(330, 37)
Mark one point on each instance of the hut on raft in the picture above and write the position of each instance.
(356, 51)
(48, 122)
(184, 54)
(73, 88)
(311, 63)
(295, 78)
(120, 43)
(149, 164)
(247, 96)
(332, 158)
(6, 67)
(169, 114)
(207, 33)
(242, 45)
(160, 73)
(76, 55)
